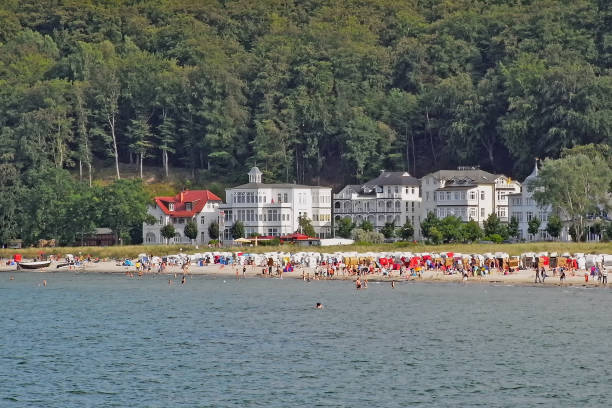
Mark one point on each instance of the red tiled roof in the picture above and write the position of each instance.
(197, 198)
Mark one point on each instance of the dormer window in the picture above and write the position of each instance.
(171, 206)
(188, 206)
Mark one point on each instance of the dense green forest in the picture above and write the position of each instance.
(321, 91)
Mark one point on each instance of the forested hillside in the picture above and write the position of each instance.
(311, 91)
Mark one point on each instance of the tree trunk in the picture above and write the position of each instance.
(141, 165)
(80, 171)
(165, 161)
(111, 122)
(413, 155)
(89, 165)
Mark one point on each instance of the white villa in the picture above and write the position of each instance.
(274, 209)
(202, 206)
(524, 208)
(468, 193)
(390, 197)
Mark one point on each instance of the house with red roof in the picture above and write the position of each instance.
(201, 206)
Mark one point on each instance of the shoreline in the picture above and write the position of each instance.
(519, 278)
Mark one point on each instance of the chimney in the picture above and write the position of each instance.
(182, 196)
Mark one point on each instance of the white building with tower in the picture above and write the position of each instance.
(524, 208)
(390, 197)
(275, 208)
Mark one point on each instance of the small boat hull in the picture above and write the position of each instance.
(34, 265)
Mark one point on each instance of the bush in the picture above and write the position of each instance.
(496, 238)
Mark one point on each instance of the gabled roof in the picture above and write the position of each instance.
(197, 198)
(462, 178)
(394, 178)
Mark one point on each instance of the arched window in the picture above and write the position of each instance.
(150, 238)
(389, 205)
(397, 205)
(337, 204)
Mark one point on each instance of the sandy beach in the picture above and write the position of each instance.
(522, 277)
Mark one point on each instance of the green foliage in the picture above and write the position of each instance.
(388, 230)
(533, 225)
(492, 225)
(213, 230)
(451, 229)
(124, 206)
(471, 231)
(435, 236)
(513, 227)
(168, 231)
(554, 225)
(406, 231)
(312, 92)
(366, 226)
(191, 229)
(575, 184)
(237, 230)
(495, 238)
(305, 226)
(344, 227)
(430, 221)
(367, 237)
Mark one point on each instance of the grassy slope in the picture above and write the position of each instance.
(133, 250)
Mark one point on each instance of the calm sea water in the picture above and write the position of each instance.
(108, 340)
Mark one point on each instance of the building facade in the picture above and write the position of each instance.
(468, 193)
(524, 208)
(201, 206)
(390, 197)
(275, 209)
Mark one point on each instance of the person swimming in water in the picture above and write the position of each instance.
(319, 305)
(358, 284)
(183, 280)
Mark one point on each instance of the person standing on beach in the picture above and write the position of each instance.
(562, 276)
(537, 278)
(244, 271)
(543, 275)
(604, 275)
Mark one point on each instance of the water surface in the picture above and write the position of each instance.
(109, 340)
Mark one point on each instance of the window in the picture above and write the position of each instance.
(441, 196)
(203, 220)
(181, 220)
(427, 196)
(456, 195)
(188, 206)
(482, 213)
(285, 198)
(482, 195)
(412, 190)
(171, 206)
(396, 189)
(472, 213)
(463, 195)
(280, 198)
(529, 215)
(161, 220)
(472, 195)
(202, 237)
(448, 195)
